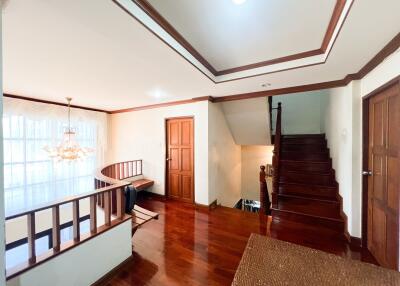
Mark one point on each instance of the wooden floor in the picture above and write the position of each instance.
(195, 247)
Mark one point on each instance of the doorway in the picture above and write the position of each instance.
(180, 159)
(381, 165)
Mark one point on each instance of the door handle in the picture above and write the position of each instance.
(169, 159)
(367, 173)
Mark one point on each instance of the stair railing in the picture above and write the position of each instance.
(276, 156)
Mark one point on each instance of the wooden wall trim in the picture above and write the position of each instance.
(165, 104)
(52, 102)
(160, 20)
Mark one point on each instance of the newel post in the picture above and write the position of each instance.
(264, 198)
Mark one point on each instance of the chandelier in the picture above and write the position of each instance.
(68, 149)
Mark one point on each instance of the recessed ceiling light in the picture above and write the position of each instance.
(238, 2)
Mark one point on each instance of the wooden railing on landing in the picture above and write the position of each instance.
(78, 238)
(276, 156)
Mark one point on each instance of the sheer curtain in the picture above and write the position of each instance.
(30, 176)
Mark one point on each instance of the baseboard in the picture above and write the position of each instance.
(209, 207)
(213, 205)
(355, 242)
(112, 272)
(344, 217)
(153, 195)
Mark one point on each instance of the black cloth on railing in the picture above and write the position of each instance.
(130, 198)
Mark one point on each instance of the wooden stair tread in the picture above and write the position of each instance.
(333, 187)
(335, 219)
(316, 199)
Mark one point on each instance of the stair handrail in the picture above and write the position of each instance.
(276, 156)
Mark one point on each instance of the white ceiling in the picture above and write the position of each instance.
(95, 52)
(229, 35)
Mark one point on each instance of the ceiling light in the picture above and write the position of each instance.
(238, 2)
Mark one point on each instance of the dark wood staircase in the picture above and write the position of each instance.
(307, 190)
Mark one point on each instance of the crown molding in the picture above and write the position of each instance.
(53, 102)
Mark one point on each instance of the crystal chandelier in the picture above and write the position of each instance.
(68, 149)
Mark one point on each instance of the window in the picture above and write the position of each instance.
(31, 178)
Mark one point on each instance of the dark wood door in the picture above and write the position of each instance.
(383, 184)
(180, 175)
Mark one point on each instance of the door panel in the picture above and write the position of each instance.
(174, 159)
(187, 187)
(383, 185)
(180, 159)
(174, 185)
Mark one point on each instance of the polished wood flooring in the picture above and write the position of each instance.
(189, 246)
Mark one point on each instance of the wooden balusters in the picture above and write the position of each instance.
(93, 214)
(75, 221)
(120, 204)
(31, 237)
(107, 208)
(276, 157)
(56, 228)
(264, 197)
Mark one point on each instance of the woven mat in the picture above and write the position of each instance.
(268, 261)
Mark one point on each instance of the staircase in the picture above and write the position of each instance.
(307, 190)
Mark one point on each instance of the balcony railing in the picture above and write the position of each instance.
(110, 221)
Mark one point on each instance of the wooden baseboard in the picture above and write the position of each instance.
(355, 242)
(153, 195)
(112, 272)
(209, 207)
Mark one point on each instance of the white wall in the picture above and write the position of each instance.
(141, 135)
(301, 112)
(339, 131)
(343, 127)
(242, 114)
(252, 158)
(84, 264)
(2, 210)
(224, 159)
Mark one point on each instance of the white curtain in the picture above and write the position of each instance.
(31, 178)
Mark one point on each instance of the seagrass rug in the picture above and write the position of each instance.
(268, 261)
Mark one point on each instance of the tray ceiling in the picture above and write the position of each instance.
(228, 35)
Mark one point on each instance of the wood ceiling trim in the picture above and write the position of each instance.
(390, 48)
(164, 104)
(160, 20)
(53, 102)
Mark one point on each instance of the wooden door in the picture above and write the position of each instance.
(383, 183)
(180, 175)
